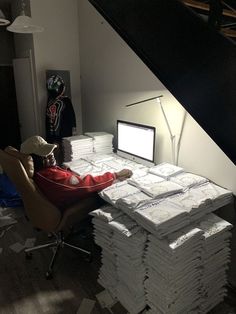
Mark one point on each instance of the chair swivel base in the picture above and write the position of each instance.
(58, 244)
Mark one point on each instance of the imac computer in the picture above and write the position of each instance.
(136, 142)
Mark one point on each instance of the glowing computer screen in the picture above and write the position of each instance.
(136, 141)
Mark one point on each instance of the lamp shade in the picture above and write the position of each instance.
(3, 20)
(23, 24)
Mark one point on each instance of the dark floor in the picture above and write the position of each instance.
(24, 289)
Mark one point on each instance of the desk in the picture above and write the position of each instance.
(155, 254)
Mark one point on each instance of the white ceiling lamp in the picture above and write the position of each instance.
(24, 24)
(3, 20)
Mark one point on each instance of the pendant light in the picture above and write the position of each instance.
(3, 20)
(24, 24)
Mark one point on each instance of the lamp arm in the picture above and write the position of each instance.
(145, 100)
(172, 136)
(173, 149)
(166, 120)
(180, 136)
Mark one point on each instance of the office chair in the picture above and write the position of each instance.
(42, 213)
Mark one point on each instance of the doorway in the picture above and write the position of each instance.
(9, 121)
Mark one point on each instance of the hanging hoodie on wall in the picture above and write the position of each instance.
(60, 115)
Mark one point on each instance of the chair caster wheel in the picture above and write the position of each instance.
(28, 255)
(49, 275)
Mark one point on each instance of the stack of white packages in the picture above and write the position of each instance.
(90, 164)
(118, 163)
(79, 165)
(103, 236)
(114, 163)
(161, 218)
(98, 158)
(218, 196)
(145, 180)
(215, 258)
(75, 147)
(161, 189)
(116, 191)
(130, 203)
(202, 199)
(165, 170)
(83, 167)
(129, 245)
(188, 180)
(102, 142)
(123, 244)
(173, 282)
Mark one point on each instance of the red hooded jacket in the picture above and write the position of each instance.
(64, 187)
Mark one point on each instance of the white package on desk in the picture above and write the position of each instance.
(161, 218)
(145, 180)
(161, 189)
(218, 195)
(165, 170)
(116, 191)
(131, 202)
(98, 158)
(188, 180)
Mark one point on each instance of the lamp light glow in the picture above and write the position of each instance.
(172, 136)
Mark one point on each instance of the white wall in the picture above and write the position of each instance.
(57, 48)
(23, 42)
(113, 76)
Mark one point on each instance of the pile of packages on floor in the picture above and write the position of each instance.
(184, 272)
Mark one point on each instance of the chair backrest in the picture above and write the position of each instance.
(39, 210)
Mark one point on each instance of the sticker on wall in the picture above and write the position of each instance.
(65, 75)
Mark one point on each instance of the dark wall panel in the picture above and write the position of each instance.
(9, 123)
(197, 64)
